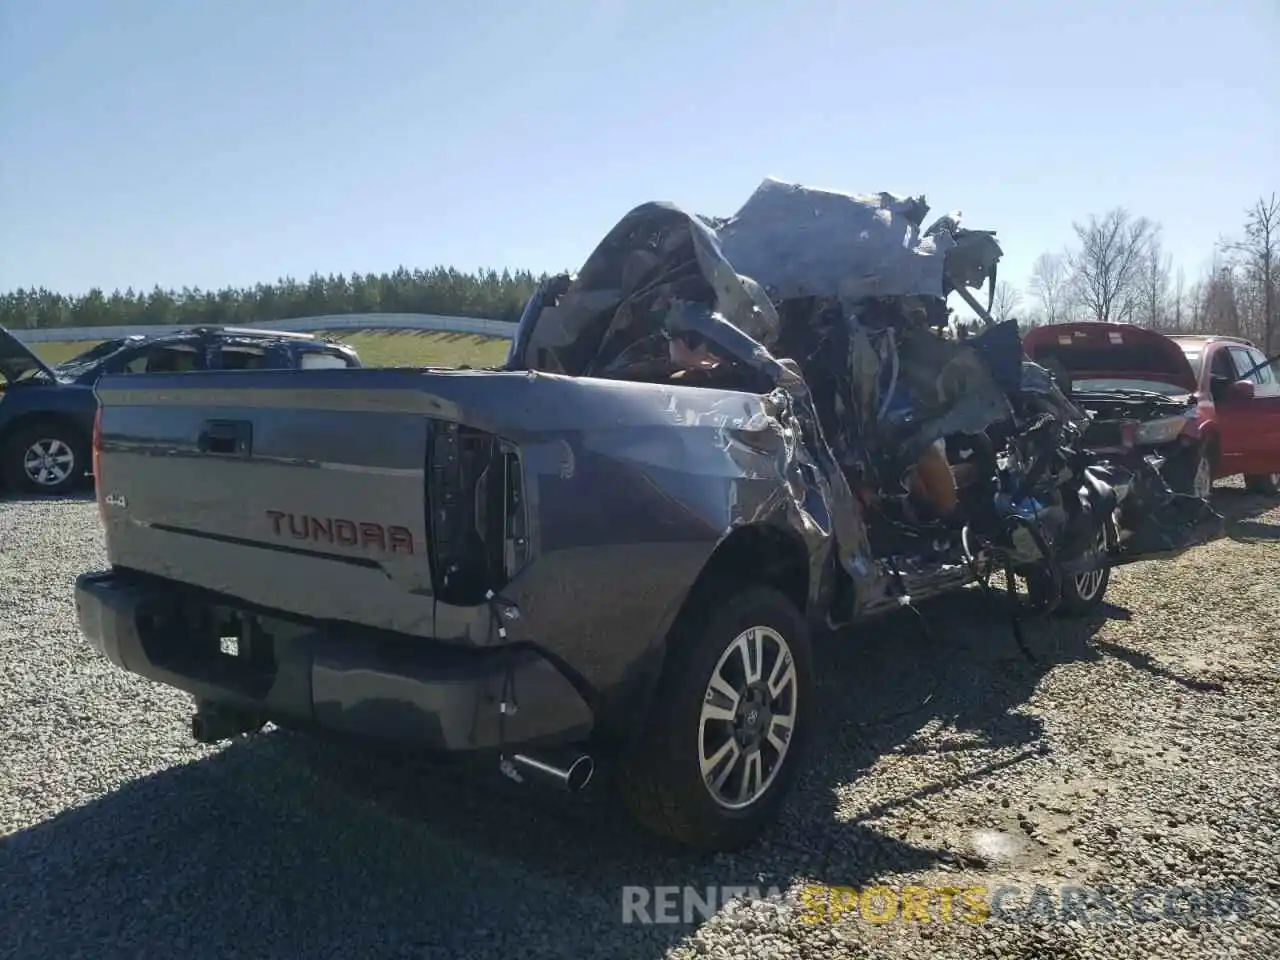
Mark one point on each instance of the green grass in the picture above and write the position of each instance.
(405, 348)
(377, 348)
(58, 351)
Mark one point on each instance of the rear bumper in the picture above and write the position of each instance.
(405, 690)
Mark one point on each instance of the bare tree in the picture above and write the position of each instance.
(1050, 286)
(1109, 262)
(1259, 253)
(1179, 298)
(1222, 301)
(1033, 317)
(1152, 282)
(1006, 302)
(1196, 299)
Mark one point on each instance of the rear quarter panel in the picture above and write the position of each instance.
(628, 489)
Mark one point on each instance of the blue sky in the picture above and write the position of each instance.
(231, 142)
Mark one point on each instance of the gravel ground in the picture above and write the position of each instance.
(1140, 750)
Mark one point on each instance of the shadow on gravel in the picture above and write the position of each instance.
(1141, 661)
(292, 847)
(1241, 510)
(80, 496)
(84, 491)
(287, 846)
(251, 854)
(1252, 531)
(970, 676)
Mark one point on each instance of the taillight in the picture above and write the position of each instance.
(97, 464)
(476, 526)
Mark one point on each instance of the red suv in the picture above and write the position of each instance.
(1239, 409)
(1207, 407)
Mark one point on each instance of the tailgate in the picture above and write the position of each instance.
(304, 492)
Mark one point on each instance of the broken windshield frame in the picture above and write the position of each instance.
(90, 359)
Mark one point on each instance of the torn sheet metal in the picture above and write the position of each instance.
(944, 388)
(656, 263)
(829, 305)
(660, 273)
(806, 242)
(887, 392)
(1162, 522)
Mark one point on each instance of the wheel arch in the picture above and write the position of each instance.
(1212, 446)
(759, 553)
(33, 417)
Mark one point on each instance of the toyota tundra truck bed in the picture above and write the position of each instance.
(440, 558)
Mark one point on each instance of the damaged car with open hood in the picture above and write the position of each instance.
(716, 440)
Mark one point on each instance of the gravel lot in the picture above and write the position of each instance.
(1141, 750)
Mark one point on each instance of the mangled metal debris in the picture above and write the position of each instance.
(804, 242)
(839, 302)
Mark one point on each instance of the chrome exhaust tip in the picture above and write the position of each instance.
(572, 777)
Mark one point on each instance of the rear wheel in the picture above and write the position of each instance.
(1202, 478)
(1194, 476)
(45, 458)
(1266, 484)
(1081, 593)
(729, 721)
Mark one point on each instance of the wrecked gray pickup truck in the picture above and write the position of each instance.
(708, 445)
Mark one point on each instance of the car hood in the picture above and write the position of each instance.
(1110, 350)
(17, 360)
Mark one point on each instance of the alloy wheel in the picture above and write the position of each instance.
(748, 717)
(48, 462)
(1089, 583)
(1202, 482)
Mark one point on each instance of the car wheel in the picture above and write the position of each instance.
(1081, 593)
(1266, 484)
(48, 459)
(1194, 477)
(1202, 478)
(729, 721)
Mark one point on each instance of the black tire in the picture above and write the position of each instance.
(66, 464)
(1263, 484)
(1080, 594)
(1196, 478)
(661, 783)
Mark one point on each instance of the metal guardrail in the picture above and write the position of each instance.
(340, 321)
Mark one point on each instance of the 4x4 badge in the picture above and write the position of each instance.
(117, 500)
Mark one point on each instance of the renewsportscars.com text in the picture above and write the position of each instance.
(973, 904)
